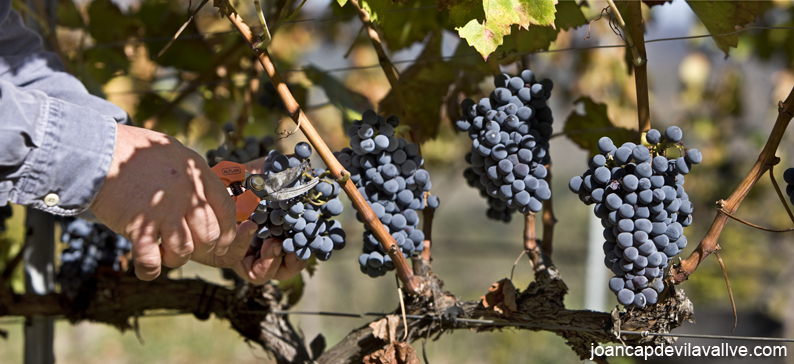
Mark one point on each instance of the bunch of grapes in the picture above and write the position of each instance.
(5, 213)
(251, 148)
(90, 246)
(387, 171)
(510, 133)
(304, 223)
(639, 196)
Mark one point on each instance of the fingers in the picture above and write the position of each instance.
(237, 251)
(262, 269)
(256, 166)
(145, 252)
(177, 244)
(223, 208)
(290, 267)
(242, 242)
(203, 226)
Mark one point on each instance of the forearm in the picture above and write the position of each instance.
(54, 155)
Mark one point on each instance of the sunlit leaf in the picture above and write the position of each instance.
(722, 17)
(500, 15)
(585, 129)
(376, 9)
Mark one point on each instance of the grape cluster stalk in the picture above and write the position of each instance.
(510, 133)
(638, 193)
(387, 171)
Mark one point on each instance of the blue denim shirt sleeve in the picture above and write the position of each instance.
(55, 138)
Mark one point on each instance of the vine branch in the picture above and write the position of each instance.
(636, 40)
(766, 160)
(404, 271)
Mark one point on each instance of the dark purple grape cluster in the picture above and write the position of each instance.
(638, 193)
(510, 133)
(387, 171)
(89, 246)
(5, 213)
(251, 148)
(304, 223)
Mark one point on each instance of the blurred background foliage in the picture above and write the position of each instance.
(725, 103)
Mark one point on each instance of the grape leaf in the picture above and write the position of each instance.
(68, 15)
(500, 15)
(536, 38)
(424, 85)
(721, 17)
(104, 63)
(161, 19)
(342, 97)
(107, 23)
(585, 130)
(405, 28)
(376, 9)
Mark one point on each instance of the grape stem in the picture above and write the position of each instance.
(780, 194)
(427, 227)
(766, 160)
(404, 272)
(548, 219)
(530, 242)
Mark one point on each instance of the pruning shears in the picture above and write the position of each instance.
(249, 189)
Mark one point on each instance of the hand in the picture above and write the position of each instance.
(158, 187)
(269, 264)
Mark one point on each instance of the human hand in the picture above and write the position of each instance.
(158, 187)
(269, 262)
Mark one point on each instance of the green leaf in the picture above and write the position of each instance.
(722, 17)
(170, 123)
(500, 15)
(376, 9)
(68, 16)
(293, 288)
(461, 12)
(585, 130)
(405, 28)
(424, 86)
(161, 19)
(107, 23)
(342, 97)
(341, 2)
(102, 64)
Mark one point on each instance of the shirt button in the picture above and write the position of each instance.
(51, 199)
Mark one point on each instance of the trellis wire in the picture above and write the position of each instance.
(464, 320)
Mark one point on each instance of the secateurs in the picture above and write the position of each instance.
(248, 189)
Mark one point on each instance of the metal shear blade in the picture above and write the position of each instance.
(275, 184)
